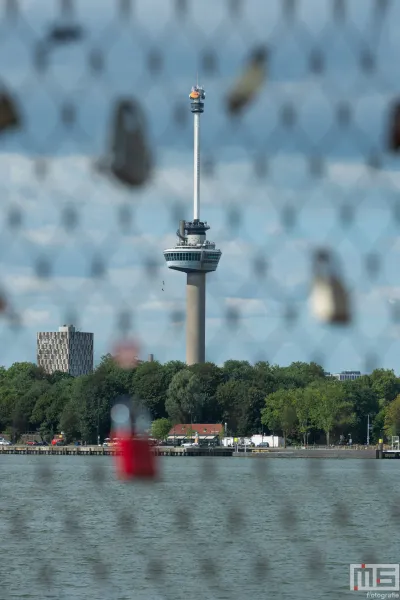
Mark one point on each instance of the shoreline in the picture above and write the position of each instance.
(328, 453)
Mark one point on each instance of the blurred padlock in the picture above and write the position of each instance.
(249, 83)
(134, 458)
(394, 128)
(129, 158)
(3, 303)
(9, 115)
(64, 34)
(330, 301)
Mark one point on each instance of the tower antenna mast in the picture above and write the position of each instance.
(197, 108)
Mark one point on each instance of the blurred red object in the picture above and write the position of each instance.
(135, 458)
(126, 354)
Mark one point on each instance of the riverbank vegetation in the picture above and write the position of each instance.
(298, 402)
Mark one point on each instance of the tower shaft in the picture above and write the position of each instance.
(196, 169)
(195, 318)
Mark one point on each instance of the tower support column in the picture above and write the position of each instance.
(195, 318)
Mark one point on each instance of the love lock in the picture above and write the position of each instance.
(129, 158)
(9, 115)
(249, 83)
(134, 458)
(330, 301)
(394, 128)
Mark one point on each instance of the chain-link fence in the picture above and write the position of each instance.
(299, 172)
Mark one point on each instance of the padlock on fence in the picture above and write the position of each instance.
(330, 300)
(394, 128)
(134, 457)
(9, 113)
(128, 157)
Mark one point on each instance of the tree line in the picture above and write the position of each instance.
(299, 402)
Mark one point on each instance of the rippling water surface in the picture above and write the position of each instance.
(212, 528)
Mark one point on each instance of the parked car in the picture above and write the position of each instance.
(4, 442)
(263, 445)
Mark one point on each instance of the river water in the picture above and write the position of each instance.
(211, 528)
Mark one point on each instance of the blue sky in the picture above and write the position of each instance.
(72, 184)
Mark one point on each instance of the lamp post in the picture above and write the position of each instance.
(98, 421)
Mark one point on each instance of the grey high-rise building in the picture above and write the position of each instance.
(65, 350)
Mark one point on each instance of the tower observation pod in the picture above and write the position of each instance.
(193, 254)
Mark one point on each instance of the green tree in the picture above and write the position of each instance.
(160, 428)
(25, 371)
(304, 405)
(71, 421)
(22, 414)
(385, 384)
(392, 417)
(57, 376)
(231, 397)
(185, 398)
(8, 399)
(241, 403)
(330, 407)
(49, 407)
(170, 369)
(208, 377)
(149, 384)
(263, 377)
(95, 394)
(238, 370)
(298, 375)
(279, 413)
(378, 424)
(364, 400)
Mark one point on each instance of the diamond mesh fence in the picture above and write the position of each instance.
(300, 185)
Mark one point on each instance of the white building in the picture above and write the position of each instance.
(65, 350)
(347, 375)
(274, 441)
